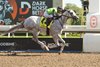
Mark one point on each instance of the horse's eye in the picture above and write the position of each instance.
(68, 11)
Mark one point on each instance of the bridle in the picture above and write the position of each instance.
(60, 21)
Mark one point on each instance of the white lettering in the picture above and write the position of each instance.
(25, 3)
(38, 6)
(7, 44)
(38, 3)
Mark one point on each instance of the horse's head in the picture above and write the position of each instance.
(70, 14)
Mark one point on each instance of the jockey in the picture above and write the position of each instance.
(50, 14)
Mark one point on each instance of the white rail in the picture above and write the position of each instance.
(80, 28)
(68, 28)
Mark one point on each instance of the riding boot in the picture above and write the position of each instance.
(47, 31)
(47, 24)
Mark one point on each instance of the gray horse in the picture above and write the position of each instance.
(32, 24)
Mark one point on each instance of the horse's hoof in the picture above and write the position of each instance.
(59, 53)
(14, 54)
(45, 48)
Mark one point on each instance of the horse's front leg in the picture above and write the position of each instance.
(58, 38)
(63, 44)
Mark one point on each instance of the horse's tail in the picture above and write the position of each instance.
(13, 29)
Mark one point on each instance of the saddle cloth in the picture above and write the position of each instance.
(43, 24)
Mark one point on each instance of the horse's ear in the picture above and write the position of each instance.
(63, 11)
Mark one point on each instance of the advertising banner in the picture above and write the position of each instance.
(75, 44)
(15, 11)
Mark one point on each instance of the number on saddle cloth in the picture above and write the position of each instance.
(43, 23)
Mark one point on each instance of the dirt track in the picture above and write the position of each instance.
(50, 60)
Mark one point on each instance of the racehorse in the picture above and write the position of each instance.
(32, 24)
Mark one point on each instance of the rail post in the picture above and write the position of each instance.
(91, 41)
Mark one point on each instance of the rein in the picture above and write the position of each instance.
(61, 20)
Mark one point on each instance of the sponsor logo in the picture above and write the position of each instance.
(93, 21)
(52, 45)
(7, 43)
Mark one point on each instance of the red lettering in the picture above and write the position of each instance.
(23, 12)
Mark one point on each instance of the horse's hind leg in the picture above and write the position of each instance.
(35, 38)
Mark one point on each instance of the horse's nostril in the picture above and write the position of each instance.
(76, 17)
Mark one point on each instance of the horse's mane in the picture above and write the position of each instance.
(64, 10)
